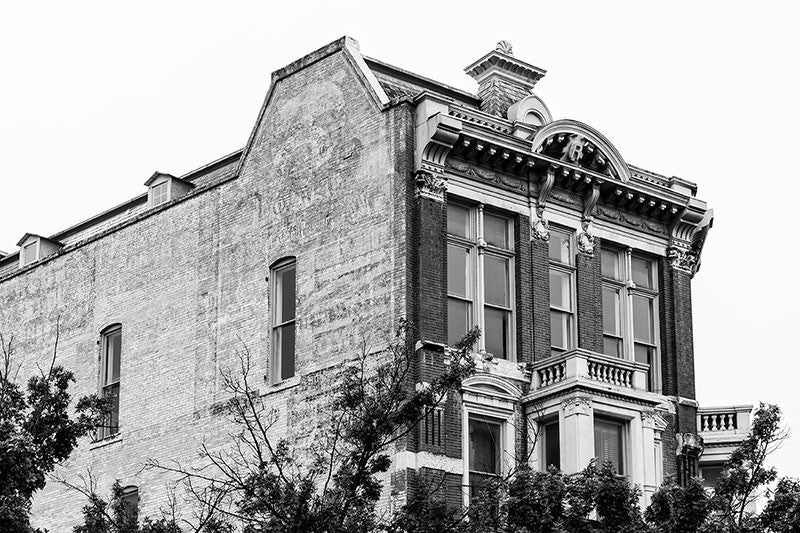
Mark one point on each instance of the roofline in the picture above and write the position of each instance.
(133, 202)
(425, 82)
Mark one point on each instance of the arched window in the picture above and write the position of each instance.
(283, 318)
(110, 362)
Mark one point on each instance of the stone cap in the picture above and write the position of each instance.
(501, 63)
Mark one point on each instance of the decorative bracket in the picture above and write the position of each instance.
(586, 239)
(687, 234)
(436, 134)
(540, 227)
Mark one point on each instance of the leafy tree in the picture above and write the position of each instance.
(37, 431)
(675, 509)
(782, 513)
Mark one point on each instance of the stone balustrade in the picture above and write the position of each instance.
(734, 419)
(583, 364)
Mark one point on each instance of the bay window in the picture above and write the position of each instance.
(562, 284)
(480, 266)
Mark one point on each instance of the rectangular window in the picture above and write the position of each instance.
(29, 253)
(630, 303)
(552, 445)
(608, 443)
(159, 194)
(283, 321)
(485, 449)
(562, 276)
(480, 267)
(110, 361)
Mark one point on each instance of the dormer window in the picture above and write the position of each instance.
(32, 248)
(165, 187)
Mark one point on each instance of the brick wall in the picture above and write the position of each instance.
(523, 289)
(590, 300)
(540, 280)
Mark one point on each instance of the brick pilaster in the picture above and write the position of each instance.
(590, 300)
(540, 282)
(524, 289)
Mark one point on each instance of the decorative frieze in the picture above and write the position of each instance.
(430, 186)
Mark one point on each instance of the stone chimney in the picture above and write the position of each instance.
(503, 79)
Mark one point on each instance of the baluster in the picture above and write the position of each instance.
(730, 421)
(704, 422)
(714, 422)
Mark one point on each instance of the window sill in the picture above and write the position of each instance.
(286, 384)
(108, 441)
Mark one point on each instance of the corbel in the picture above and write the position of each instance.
(540, 227)
(436, 134)
(687, 235)
(586, 238)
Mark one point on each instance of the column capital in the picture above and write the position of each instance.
(576, 405)
(682, 260)
(430, 186)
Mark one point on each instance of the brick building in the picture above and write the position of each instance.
(366, 193)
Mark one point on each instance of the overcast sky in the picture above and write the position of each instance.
(95, 96)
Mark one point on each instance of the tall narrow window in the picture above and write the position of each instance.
(609, 444)
(160, 193)
(130, 503)
(485, 449)
(29, 252)
(110, 361)
(283, 320)
(480, 255)
(552, 445)
(562, 275)
(630, 323)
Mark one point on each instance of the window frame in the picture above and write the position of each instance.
(278, 269)
(167, 193)
(477, 250)
(628, 290)
(569, 269)
(36, 245)
(488, 419)
(543, 425)
(109, 388)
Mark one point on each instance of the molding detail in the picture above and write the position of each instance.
(682, 260)
(586, 239)
(430, 186)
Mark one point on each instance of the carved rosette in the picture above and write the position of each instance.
(577, 405)
(682, 260)
(430, 186)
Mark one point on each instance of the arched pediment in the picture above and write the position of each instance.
(490, 385)
(578, 144)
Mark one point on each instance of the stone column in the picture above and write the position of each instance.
(577, 434)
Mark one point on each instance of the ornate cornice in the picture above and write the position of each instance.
(436, 134)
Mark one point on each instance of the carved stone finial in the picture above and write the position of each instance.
(430, 186)
(682, 260)
(505, 47)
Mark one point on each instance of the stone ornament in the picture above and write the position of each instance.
(586, 242)
(682, 260)
(430, 186)
(540, 230)
(577, 405)
(504, 47)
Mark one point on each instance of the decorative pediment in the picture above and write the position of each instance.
(578, 144)
(491, 385)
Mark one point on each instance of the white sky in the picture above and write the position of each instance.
(95, 96)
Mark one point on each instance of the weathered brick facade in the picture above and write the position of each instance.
(350, 169)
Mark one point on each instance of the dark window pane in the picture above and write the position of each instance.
(645, 354)
(560, 290)
(496, 334)
(552, 448)
(608, 443)
(643, 319)
(711, 474)
(560, 247)
(457, 271)
(111, 423)
(611, 309)
(287, 350)
(112, 347)
(612, 346)
(286, 282)
(457, 320)
(458, 221)
(642, 271)
(610, 264)
(484, 446)
(495, 231)
(495, 280)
